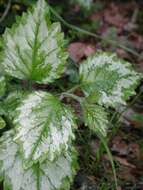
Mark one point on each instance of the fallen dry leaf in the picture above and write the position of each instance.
(79, 50)
(136, 40)
(119, 146)
(124, 162)
(113, 16)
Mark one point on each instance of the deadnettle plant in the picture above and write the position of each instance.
(37, 128)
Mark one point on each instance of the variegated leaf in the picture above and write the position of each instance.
(43, 127)
(34, 48)
(95, 117)
(54, 175)
(107, 79)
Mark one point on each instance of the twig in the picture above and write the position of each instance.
(73, 27)
(6, 11)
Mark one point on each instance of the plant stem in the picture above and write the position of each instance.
(73, 88)
(73, 96)
(105, 143)
(6, 11)
(73, 27)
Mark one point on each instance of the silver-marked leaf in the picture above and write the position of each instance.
(2, 86)
(34, 48)
(108, 80)
(43, 127)
(95, 117)
(54, 175)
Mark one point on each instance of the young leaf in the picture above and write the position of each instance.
(34, 48)
(2, 86)
(54, 175)
(107, 79)
(44, 127)
(95, 117)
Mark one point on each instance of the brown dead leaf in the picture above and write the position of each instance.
(124, 162)
(79, 50)
(98, 16)
(134, 150)
(122, 148)
(122, 53)
(136, 40)
(119, 188)
(119, 146)
(125, 173)
(114, 16)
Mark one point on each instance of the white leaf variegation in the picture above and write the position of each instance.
(54, 175)
(34, 48)
(107, 79)
(95, 117)
(43, 127)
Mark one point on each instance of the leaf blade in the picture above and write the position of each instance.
(107, 79)
(44, 127)
(96, 118)
(37, 177)
(34, 48)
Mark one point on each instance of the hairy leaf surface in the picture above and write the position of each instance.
(44, 127)
(107, 79)
(54, 175)
(95, 117)
(34, 48)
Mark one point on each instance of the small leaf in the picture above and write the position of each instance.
(95, 117)
(2, 86)
(54, 175)
(2, 123)
(34, 48)
(44, 127)
(108, 80)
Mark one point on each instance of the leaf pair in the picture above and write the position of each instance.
(43, 157)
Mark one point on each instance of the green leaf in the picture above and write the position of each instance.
(2, 123)
(54, 175)
(34, 48)
(108, 80)
(95, 117)
(43, 127)
(2, 86)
